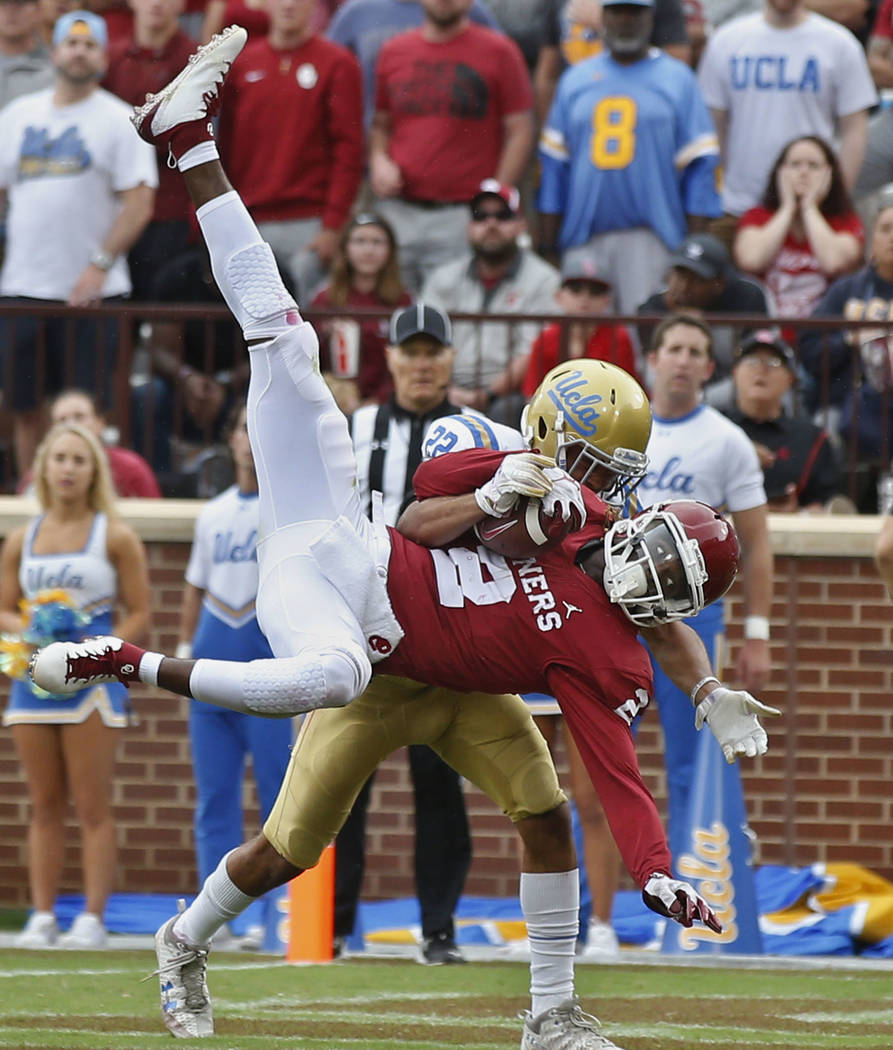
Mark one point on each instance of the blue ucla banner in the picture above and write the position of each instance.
(717, 861)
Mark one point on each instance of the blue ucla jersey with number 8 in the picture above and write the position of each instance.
(626, 147)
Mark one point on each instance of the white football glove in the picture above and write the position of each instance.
(565, 496)
(732, 717)
(678, 901)
(520, 475)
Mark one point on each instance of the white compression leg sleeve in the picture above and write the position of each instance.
(219, 901)
(245, 269)
(550, 903)
(284, 687)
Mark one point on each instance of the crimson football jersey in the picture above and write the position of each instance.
(475, 620)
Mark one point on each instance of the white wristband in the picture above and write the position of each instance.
(756, 628)
(703, 681)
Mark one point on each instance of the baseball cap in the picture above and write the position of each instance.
(81, 23)
(493, 188)
(766, 339)
(633, 3)
(583, 270)
(420, 319)
(704, 254)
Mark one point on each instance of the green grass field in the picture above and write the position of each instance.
(94, 1000)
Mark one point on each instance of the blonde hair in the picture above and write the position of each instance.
(101, 494)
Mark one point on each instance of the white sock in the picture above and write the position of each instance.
(550, 903)
(219, 901)
(148, 669)
(200, 154)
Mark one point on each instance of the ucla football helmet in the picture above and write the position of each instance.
(588, 414)
(670, 561)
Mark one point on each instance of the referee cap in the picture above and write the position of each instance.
(420, 319)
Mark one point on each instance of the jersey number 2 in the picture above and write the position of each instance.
(614, 132)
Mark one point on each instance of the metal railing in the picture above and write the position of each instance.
(135, 384)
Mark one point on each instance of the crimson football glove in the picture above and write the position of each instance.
(520, 475)
(678, 901)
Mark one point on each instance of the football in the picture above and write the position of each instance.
(525, 531)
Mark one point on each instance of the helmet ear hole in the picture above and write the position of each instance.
(543, 428)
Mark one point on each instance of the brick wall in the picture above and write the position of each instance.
(823, 792)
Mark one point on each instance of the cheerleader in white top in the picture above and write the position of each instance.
(69, 569)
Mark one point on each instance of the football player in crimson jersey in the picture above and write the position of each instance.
(329, 615)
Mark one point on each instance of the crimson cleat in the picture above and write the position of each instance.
(194, 93)
(67, 667)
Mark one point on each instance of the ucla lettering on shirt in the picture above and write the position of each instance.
(775, 73)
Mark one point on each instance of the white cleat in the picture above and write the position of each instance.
(564, 1027)
(182, 975)
(194, 91)
(67, 667)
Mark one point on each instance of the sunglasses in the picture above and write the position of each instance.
(482, 214)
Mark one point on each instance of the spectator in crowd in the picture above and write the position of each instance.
(583, 291)
(131, 474)
(804, 232)
(306, 93)
(702, 279)
(697, 452)
(387, 439)
(877, 167)
(364, 25)
(116, 14)
(196, 369)
(572, 30)
(140, 63)
(776, 75)
(499, 277)
(25, 63)
(800, 467)
(426, 161)
(852, 397)
(365, 275)
(218, 619)
(76, 565)
(80, 189)
(628, 158)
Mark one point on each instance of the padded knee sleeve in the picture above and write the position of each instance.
(281, 688)
(253, 288)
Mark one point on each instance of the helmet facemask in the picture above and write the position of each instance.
(653, 570)
(581, 459)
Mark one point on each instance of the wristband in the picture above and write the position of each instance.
(703, 681)
(102, 260)
(756, 628)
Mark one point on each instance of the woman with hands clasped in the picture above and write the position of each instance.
(805, 232)
(62, 575)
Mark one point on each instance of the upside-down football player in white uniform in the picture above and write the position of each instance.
(338, 594)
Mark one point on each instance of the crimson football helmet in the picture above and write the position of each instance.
(669, 561)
